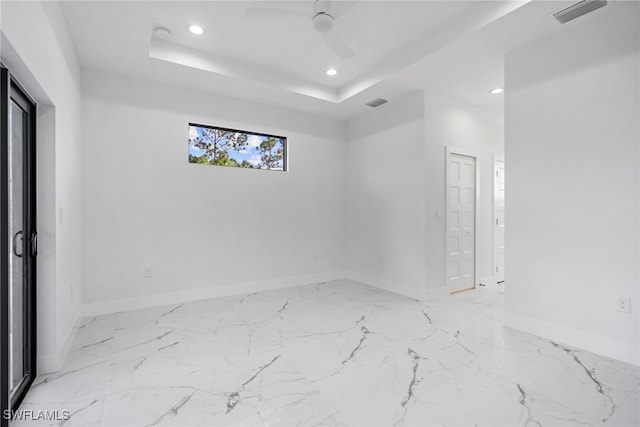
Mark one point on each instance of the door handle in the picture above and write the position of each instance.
(15, 245)
(34, 243)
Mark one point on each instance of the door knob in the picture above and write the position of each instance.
(15, 244)
(34, 243)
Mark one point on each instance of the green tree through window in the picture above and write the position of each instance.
(226, 147)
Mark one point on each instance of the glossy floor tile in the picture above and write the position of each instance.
(333, 354)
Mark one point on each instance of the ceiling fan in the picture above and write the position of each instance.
(325, 13)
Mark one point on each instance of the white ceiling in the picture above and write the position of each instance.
(454, 48)
(292, 47)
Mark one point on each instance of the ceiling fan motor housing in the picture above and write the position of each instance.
(323, 22)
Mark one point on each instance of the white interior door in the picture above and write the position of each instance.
(461, 222)
(498, 227)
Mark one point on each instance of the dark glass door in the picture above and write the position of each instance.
(19, 247)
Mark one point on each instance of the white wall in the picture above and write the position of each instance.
(203, 230)
(572, 158)
(386, 182)
(396, 182)
(453, 124)
(45, 63)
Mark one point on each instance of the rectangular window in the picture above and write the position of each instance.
(211, 145)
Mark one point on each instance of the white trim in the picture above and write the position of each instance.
(378, 283)
(449, 149)
(136, 303)
(48, 363)
(626, 352)
(496, 159)
(52, 362)
(389, 287)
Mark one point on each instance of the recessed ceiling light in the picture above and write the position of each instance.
(196, 29)
(497, 90)
(332, 72)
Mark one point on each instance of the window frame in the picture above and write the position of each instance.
(284, 139)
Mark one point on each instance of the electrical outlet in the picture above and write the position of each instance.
(623, 304)
(147, 273)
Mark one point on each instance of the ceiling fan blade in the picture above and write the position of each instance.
(338, 45)
(340, 8)
(267, 12)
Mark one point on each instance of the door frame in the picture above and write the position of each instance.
(496, 159)
(468, 152)
(9, 84)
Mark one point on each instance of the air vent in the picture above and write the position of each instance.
(577, 10)
(377, 102)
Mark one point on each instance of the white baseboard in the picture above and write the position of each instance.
(136, 303)
(52, 362)
(382, 284)
(48, 363)
(626, 352)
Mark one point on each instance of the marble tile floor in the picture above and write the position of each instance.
(333, 354)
